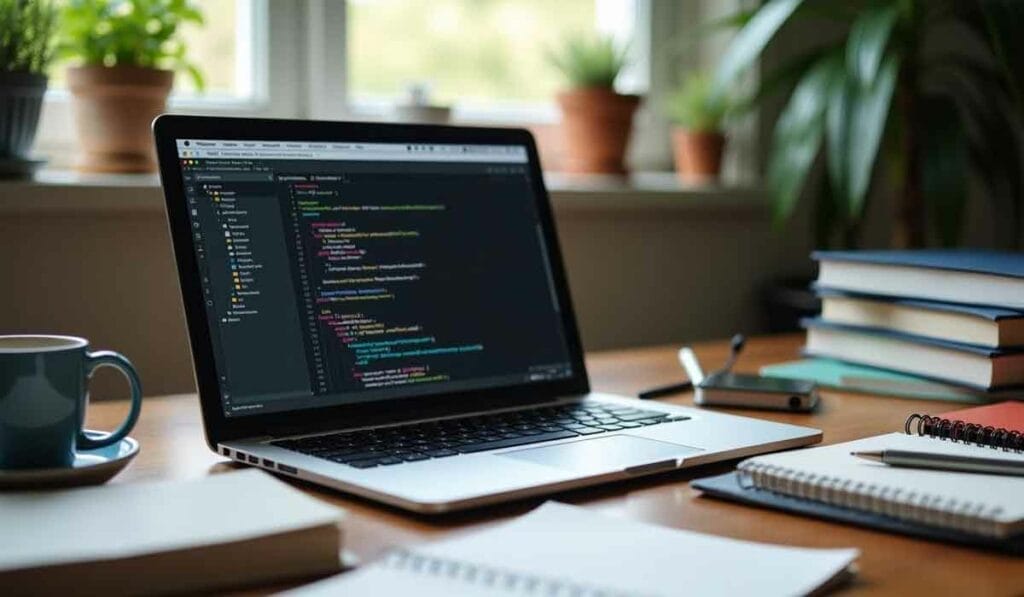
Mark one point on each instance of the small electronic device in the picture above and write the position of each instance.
(725, 388)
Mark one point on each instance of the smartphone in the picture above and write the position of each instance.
(753, 391)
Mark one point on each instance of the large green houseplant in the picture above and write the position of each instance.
(934, 85)
(127, 52)
(27, 29)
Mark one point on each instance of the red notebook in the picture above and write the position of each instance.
(998, 425)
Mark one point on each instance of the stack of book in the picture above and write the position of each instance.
(950, 315)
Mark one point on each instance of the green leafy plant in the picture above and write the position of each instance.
(696, 107)
(589, 61)
(143, 33)
(935, 86)
(27, 31)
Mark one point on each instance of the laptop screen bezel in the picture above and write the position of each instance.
(219, 427)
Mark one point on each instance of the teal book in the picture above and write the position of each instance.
(859, 379)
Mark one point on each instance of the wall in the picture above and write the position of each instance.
(645, 266)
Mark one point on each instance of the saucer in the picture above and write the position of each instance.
(91, 467)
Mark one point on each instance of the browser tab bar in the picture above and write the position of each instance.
(318, 150)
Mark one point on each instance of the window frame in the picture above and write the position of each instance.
(299, 68)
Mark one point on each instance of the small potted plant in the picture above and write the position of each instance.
(128, 51)
(27, 29)
(697, 140)
(596, 121)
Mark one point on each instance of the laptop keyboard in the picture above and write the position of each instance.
(439, 439)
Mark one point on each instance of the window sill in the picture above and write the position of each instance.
(647, 192)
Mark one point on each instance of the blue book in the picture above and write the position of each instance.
(991, 327)
(965, 276)
(966, 364)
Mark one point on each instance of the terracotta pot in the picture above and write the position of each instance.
(596, 124)
(698, 155)
(113, 108)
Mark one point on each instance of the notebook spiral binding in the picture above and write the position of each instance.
(503, 582)
(960, 431)
(894, 502)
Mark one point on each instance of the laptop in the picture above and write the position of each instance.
(382, 309)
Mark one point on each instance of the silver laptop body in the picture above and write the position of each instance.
(382, 309)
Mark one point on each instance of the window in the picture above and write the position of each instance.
(485, 57)
(224, 50)
(350, 59)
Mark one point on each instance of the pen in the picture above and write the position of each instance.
(664, 390)
(945, 462)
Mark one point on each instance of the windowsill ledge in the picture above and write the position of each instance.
(69, 191)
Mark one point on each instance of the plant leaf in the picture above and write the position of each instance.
(842, 98)
(798, 134)
(868, 113)
(869, 36)
(944, 166)
(751, 40)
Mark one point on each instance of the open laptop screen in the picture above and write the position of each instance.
(336, 273)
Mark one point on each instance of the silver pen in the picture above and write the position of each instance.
(945, 462)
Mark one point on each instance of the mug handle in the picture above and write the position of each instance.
(107, 358)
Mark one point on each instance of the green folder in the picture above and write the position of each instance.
(869, 380)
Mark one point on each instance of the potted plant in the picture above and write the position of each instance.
(27, 29)
(128, 51)
(596, 121)
(697, 139)
(881, 87)
(931, 89)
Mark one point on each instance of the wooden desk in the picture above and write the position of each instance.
(172, 447)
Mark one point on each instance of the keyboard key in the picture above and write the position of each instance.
(588, 430)
(368, 463)
(610, 427)
(441, 453)
(389, 461)
(625, 425)
(642, 415)
(348, 458)
(508, 443)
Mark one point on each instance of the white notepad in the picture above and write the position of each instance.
(989, 505)
(565, 550)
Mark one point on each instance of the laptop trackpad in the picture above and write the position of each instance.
(613, 453)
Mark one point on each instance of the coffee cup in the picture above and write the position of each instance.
(43, 395)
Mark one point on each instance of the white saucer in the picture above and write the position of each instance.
(91, 467)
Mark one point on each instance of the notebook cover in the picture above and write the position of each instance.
(985, 351)
(998, 263)
(728, 487)
(1005, 415)
(989, 313)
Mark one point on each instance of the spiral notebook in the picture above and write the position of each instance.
(565, 550)
(996, 425)
(828, 482)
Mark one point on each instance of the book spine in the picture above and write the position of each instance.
(902, 504)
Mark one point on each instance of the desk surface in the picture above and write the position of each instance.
(171, 436)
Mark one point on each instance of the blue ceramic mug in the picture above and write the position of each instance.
(43, 394)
